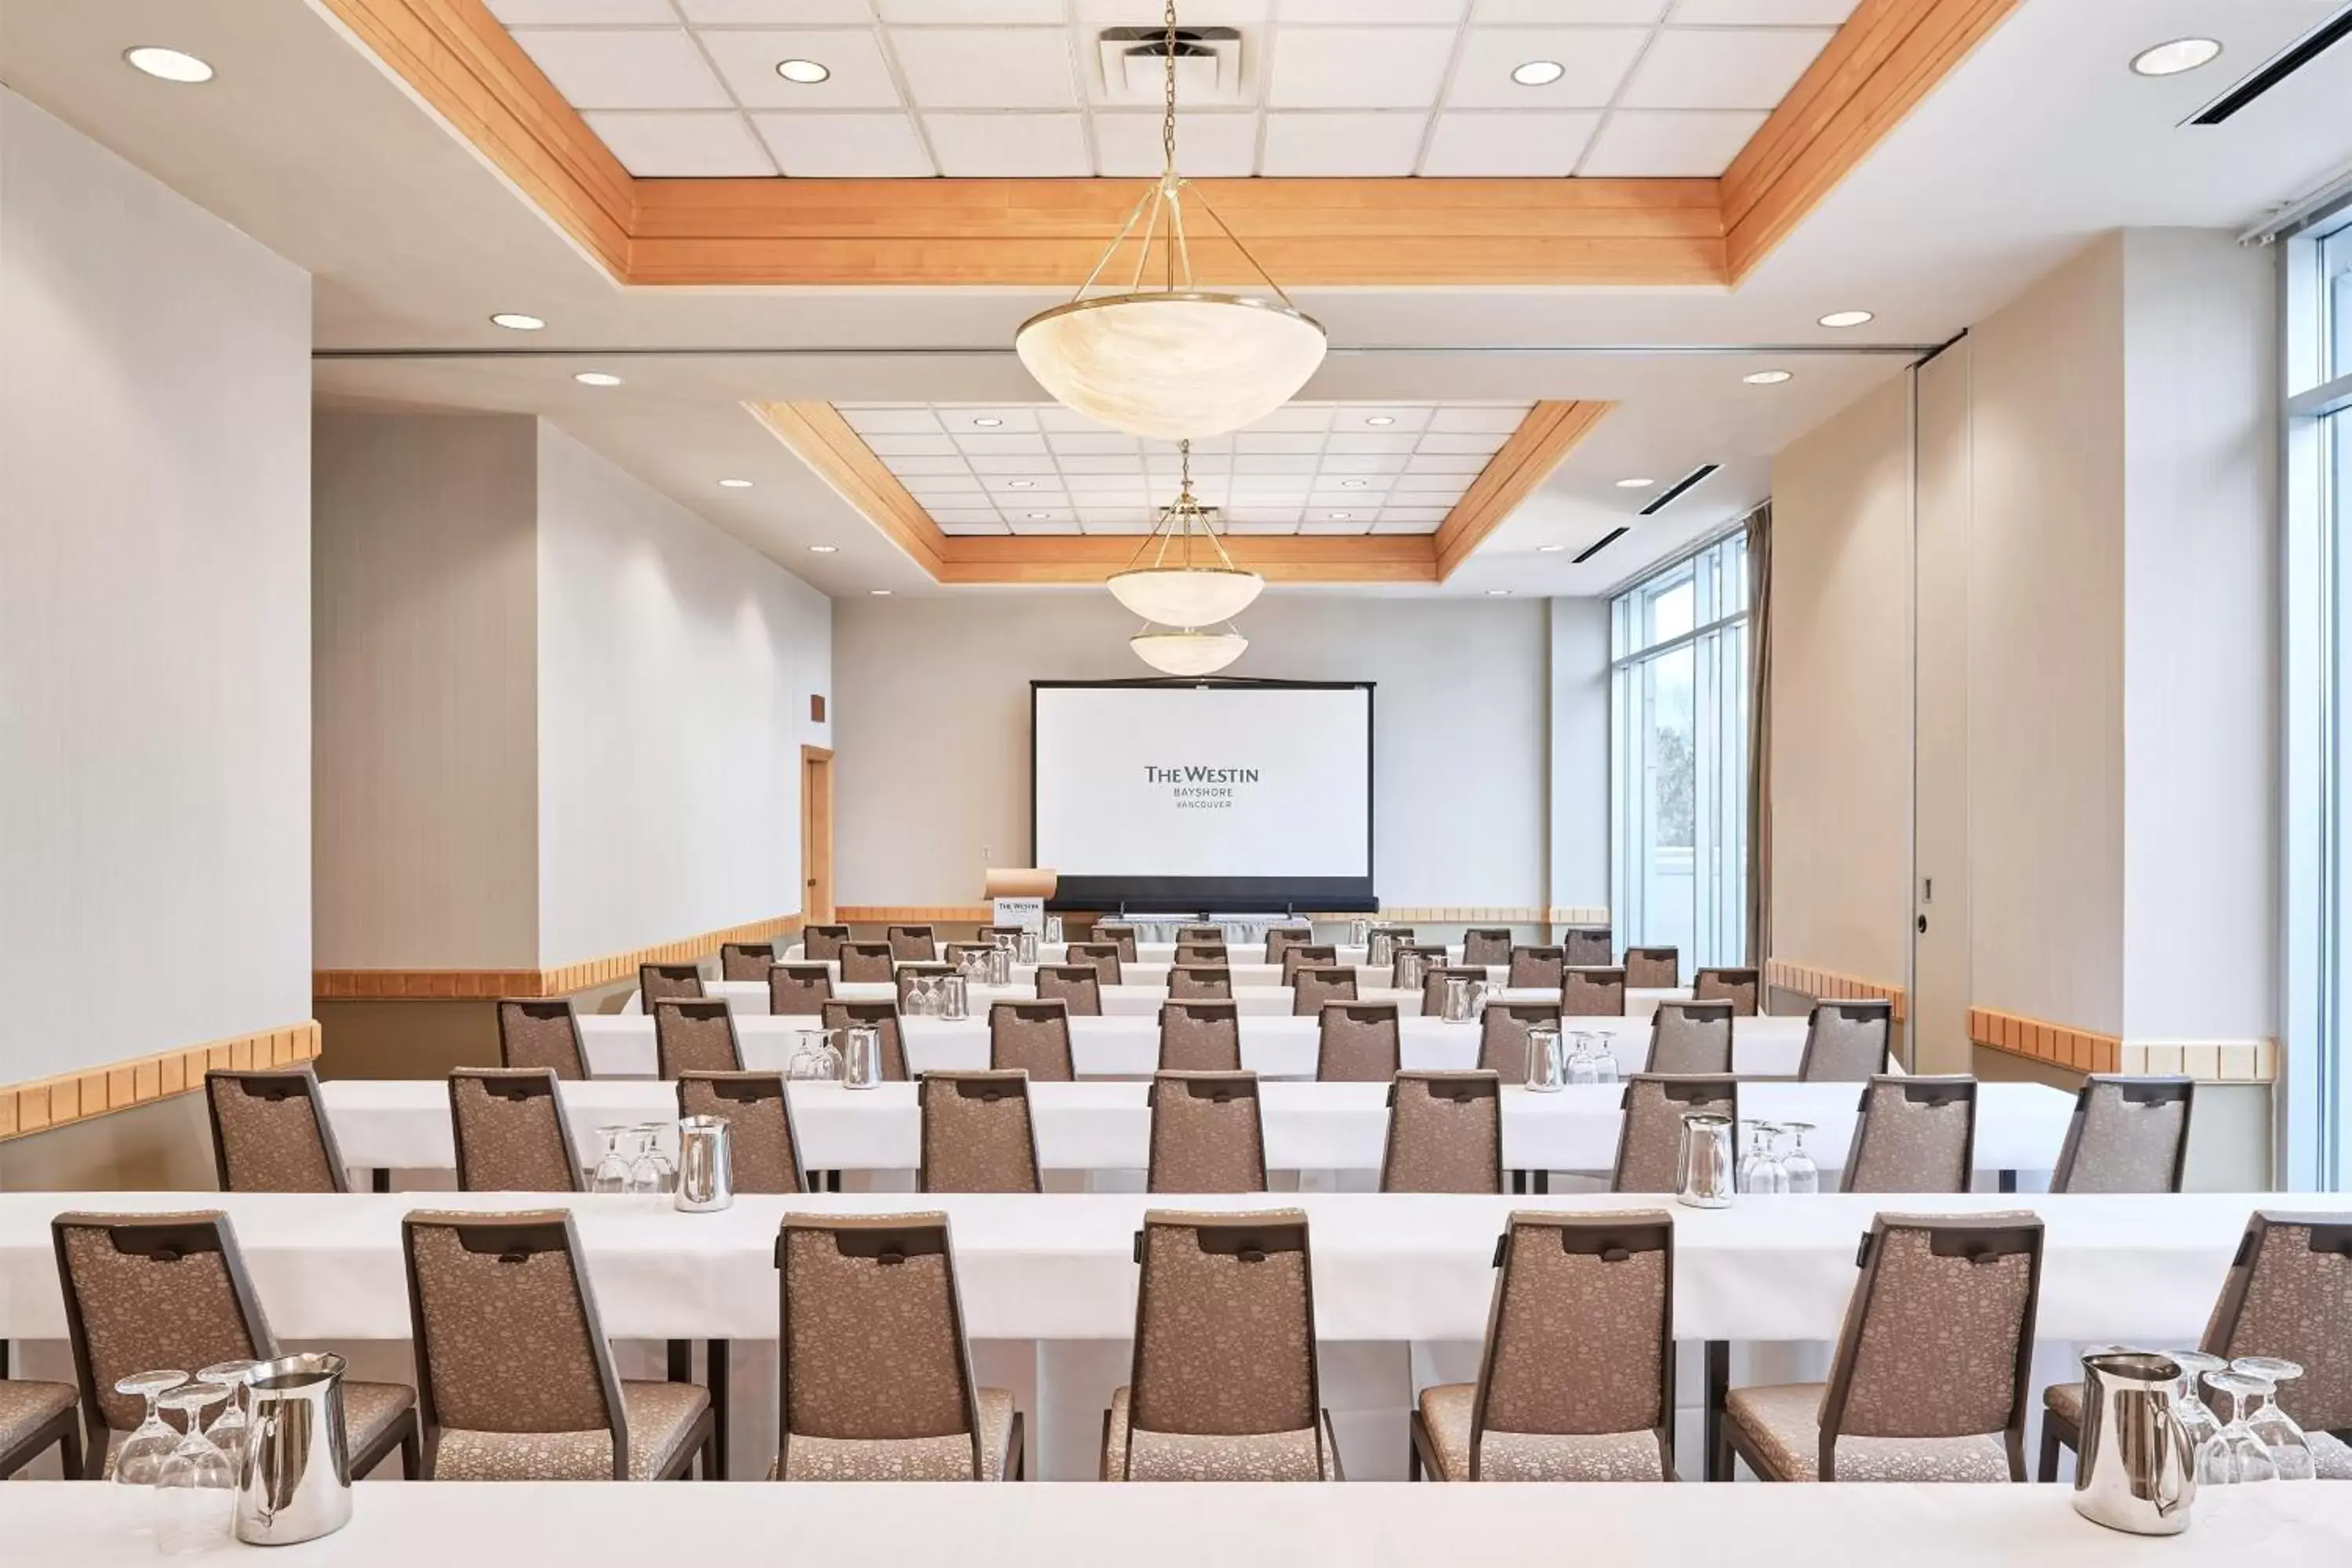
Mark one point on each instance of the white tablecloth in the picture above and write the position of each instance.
(1141, 997)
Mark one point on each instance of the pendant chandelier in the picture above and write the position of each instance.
(1188, 652)
(1165, 358)
(1180, 580)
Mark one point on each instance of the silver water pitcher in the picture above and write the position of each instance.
(862, 1056)
(1705, 1162)
(1028, 947)
(1052, 929)
(706, 1165)
(1457, 999)
(1547, 1072)
(955, 996)
(999, 959)
(1360, 932)
(2135, 1472)
(296, 1481)
(1408, 967)
(1380, 950)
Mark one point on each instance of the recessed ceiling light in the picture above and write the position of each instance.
(988, 424)
(1846, 319)
(1550, 548)
(516, 321)
(1036, 517)
(1766, 378)
(807, 72)
(2172, 59)
(1636, 484)
(823, 549)
(1021, 484)
(597, 378)
(735, 484)
(879, 592)
(1353, 484)
(1498, 593)
(1379, 419)
(1538, 73)
(1341, 516)
(170, 65)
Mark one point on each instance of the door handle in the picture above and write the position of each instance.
(1923, 925)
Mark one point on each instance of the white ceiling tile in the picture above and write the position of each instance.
(911, 446)
(1367, 12)
(1483, 444)
(1102, 463)
(1358, 507)
(860, 78)
(1300, 461)
(1594, 61)
(578, 12)
(1208, 146)
(662, 144)
(990, 444)
(1357, 68)
(1259, 530)
(1312, 523)
(1669, 144)
(1448, 486)
(1565, 13)
(1077, 444)
(1300, 145)
(1494, 146)
(1414, 516)
(1364, 463)
(1752, 68)
(990, 12)
(917, 420)
(846, 146)
(1772, 13)
(1003, 419)
(1249, 444)
(1031, 467)
(990, 67)
(1293, 416)
(1503, 418)
(991, 146)
(1444, 463)
(637, 69)
(904, 466)
(772, 13)
(1274, 484)
(946, 490)
(1057, 526)
(1397, 417)
(1370, 442)
(1054, 416)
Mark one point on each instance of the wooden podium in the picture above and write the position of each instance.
(1017, 895)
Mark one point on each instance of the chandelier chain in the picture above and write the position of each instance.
(1168, 112)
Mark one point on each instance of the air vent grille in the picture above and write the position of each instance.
(2280, 66)
(1680, 488)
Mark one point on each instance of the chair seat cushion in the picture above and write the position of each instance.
(2331, 1456)
(370, 1409)
(661, 1417)
(1188, 1456)
(945, 1459)
(2064, 1400)
(1532, 1455)
(1783, 1422)
(26, 1407)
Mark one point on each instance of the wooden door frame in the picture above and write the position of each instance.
(812, 854)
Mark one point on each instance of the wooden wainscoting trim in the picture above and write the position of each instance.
(45, 1104)
(2058, 1045)
(2208, 1061)
(489, 984)
(1481, 914)
(1544, 438)
(1828, 986)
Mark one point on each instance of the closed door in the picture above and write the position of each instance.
(816, 834)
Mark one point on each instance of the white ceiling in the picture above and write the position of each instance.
(1017, 88)
(1306, 468)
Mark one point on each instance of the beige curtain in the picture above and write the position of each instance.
(1759, 735)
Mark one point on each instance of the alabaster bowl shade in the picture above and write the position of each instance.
(1171, 367)
(1186, 596)
(1187, 651)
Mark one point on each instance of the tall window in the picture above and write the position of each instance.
(1678, 755)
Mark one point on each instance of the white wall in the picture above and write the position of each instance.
(154, 613)
(1579, 754)
(933, 720)
(674, 670)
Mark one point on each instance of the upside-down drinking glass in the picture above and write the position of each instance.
(2289, 1449)
(612, 1173)
(196, 1488)
(1581, 1067)
(231, 1428)
(2197, 1418)
(2235, 1455)
(1605, 1060)
(1760, 1173)
(1802, 1175)
(142, 1454)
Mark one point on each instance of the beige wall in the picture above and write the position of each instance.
(1579, 752)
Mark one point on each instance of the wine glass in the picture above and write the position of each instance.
(232, 1427)
(2235, 1455)
(1605, 1060)
(2196, 1418)
(2289, 1449)
(142, 1454)
(1801, 1173)
(612, 1173)
(1581, 1067)
(196, 1489)
(652, 1170)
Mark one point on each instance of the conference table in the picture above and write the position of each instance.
(1141, 999)
(1247, 955)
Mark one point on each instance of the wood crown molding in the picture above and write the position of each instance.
(454, 56)
(46, 1104)
(1828, 986)
(490, 984)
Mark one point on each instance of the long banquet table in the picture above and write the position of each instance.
(1142, 998)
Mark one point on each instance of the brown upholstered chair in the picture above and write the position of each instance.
(746, 960)
(1189, 982)
(1593, 993)
(1846, 1042)
(1535, 968)
(1585, 947)
(2126, 1135)
(1691, 1036)
(882, 1016)
(909, 971)
(270, 1134)
(1205, 1133)
(978, 1136)
(1114, 934)
(1743, 988)
(1202, 956)
(1432, 955)
(1307, 955)
(1433, 984)
(916, 1414)
(1214, 936)
(1914, 1135)
(799, 990)
(695, 1034)
(511, 1133)
(1357, 1042)
(1649, 1142)
(1077, 986)
(1199, 1035)
(1445, 1133)
(865, 963)
(1398, 935)
(34, 1416)
(1577, 1380)
(1929, 1381)
(541, 1032)
(1280, 939)
(1032, 1037)
(1654, 968)
(1103, 956)
(1310, 988)
(988, 934)
(146, 1290)
(656, 981)
(821, 944)
(1223, 1385)
(920, 943)
(762, 1144)
(515, 1376)
(1483, 947)
(1502, 1035)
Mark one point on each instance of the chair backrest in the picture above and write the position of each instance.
(920, 943)
(1116, 935)
(1280, 939)
(1307, 954)
(953, 954)
(270, 1134)
(1358, 1042)
(509, 1132)
(863, 962)
(977, 1133)
(821, 944)
(541, 1032)
(1649, 1144)
(908, 971)
(842, 1275)
(1939, 1334)
(1032, 1037)
(655, 981)
(1203, 954)
(1103, 956)
(1691, 1036)
(1445, 1133)
(1484, 946)
(1654, 968)
(1846, 1042)
(764, 1151)
(1581, 1336)
(2289, 1294)
(1399, 936)
(1432, 955)
(1224, 1328)
(745, 960)
(1212, 983)
(799, 989)
(1433, 984)
(1311, 987)
(2126, 1135)
(1537, 968)
(1076, 986)
(1585, 946)
(151, 1290)
(1211, 934)
(884, 1017)
(1205, 1133)
(1914, 1135)
(1502, 1035)
(695, 1034)
(505, 1331)
(1743, 988)
(1593, 993)
(1199, 1035)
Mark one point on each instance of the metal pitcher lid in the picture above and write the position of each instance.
(288, 1372)
(2133, 1366)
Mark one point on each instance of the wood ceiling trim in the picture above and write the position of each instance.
(1278, 558)
(822, 439)
(1545, 436)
